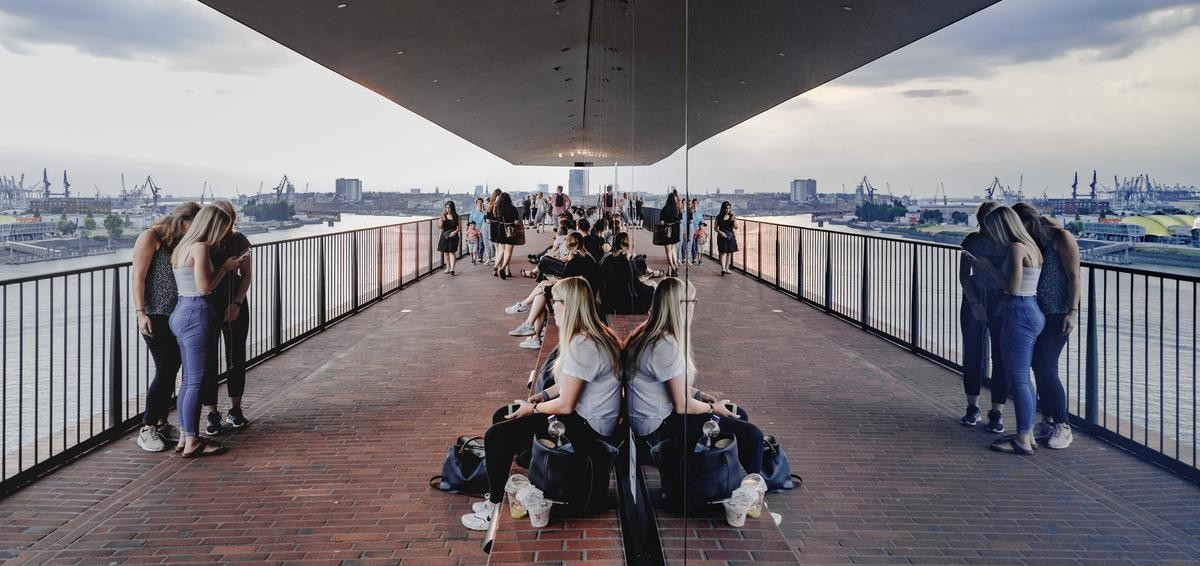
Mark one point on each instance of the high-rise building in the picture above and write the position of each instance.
(480, 190)
(349, 190)
(804, 190)
(577, 185)
(543, 188)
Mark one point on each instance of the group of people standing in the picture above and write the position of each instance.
(1020, 282)
(652, 372)
(191, 274)
(683, 233)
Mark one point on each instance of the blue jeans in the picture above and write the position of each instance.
(485, 241)
(684, 246)
(1052, 398)
(194, 324)
(1023, 322)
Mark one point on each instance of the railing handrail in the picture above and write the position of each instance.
(77, 271)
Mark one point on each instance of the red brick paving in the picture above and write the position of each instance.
(350, 424)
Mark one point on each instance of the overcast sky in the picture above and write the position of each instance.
(173, 89)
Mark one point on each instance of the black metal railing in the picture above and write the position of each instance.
(75, 369)
(1130, 368)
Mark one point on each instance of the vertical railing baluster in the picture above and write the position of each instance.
(828, 270)
(776, 256)
(1092, 356)
(354, 271)
(800, 263)
(277, 340)
(115, 368)
(914, 299)
(321, 313)
(379, 263)
(864, 281)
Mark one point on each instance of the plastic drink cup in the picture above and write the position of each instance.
(738, 505)
(514, 484)
(539, 513)
(757, 482)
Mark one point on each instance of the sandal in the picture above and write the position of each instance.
(218, 448)
(1010, 446)
(528, 273)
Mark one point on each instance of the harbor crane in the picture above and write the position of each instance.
(284, 184)
(148, 185)
(865, 187)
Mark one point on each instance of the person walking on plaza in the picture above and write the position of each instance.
(639, 218)
(1023, 320)
(666, 234)
(194, 321)
(626, 207)
(154, 297)
(542, 208)
(560, 202)
(980, 324)
(726, 226)
(450, 239)
(608, 203)
(511, 233)
(1058, 295)
(233, 321)
(586, 396)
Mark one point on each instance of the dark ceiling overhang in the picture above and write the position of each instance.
(560, 82)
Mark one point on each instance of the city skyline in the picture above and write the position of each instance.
(193, 97)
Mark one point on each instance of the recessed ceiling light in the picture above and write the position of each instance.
(741, 82)
(458, 100)
(780, 54)
(342, 5)
(847, 8)
(435, 81)
(400, 52)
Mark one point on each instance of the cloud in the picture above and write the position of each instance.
(934, 92)
(183, 34)
(1024, 31)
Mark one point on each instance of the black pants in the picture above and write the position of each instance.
(504, 439)
(1052, 398)
(164, 348)
(551, 267)
(979, 339)
(687, 433)
(234, 336)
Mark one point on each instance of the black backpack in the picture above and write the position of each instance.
(608, 200)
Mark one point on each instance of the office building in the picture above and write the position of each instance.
(480, 190)
(804, 190)
(577, 184)
(349, 190)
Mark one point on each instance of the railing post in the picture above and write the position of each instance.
(914, 302)
(1092, 368)
(379, 263)
(321, 316)
(865, 291)
(828, 271)
(777, 256)
(278, 306)
(354, 270)
(758, 234)
(417, 250)
(430, 243)
(400, 245)
(116, 399)
(745, 248)
(800, 263)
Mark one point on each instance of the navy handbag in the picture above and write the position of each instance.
(775, 468)
(465, 469)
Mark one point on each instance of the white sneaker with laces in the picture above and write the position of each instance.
(1043, 430)
(517, 308)
(150, 440)
(479, 520)
(481, 505)
(531, 343)
(1061, 437)
(523, 330)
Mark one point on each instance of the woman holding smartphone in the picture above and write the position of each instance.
(233, 314)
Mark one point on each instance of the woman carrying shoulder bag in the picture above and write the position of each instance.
(586, 397)
(666, 234)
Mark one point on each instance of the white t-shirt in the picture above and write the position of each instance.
(600, 402)
(649, 395)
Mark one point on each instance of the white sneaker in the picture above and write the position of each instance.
(531, 343)
(150, 440)
(517, 308)
(1061, 437)
(523, 330)
(481, 519)
(481, 505)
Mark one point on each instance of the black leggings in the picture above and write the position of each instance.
(504, 439)
(749, 437)
(234, 336)
(164, 348)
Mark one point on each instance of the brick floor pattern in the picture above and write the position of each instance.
(348, 426)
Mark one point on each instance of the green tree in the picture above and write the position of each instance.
(66, 227)
(89, 223)
(114, 224)
(958, 217)
(932, 216)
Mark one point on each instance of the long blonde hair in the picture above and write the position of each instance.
(169, 228)
(1004, 226)
(578, 316)
(668, 318)
(210, 226)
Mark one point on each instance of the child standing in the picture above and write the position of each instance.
(474, 243)
(699, 240)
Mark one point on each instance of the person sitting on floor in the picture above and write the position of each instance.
(622, 290)
(580, 264)
(587, 394)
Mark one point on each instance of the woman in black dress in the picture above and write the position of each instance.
(511, 232)
(666, 234)
(448, 243)
(726, 237)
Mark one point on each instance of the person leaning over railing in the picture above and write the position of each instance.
(1058, 297)
(659, 369)
(980, 325)
(193, 320)
(726, 227)
(154, 297)
(233, 312)
(1023, 320)
(586, 396)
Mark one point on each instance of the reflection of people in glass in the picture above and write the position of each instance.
(666, 234)
(586, 396)
(659, 370)
(726, 227)
(1058, 297)
(1023, 320)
